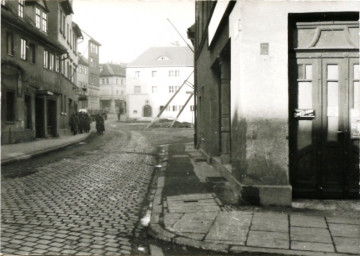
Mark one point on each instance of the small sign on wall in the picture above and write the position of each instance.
(304, 114)
(264, 49)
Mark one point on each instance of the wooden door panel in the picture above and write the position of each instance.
(324, 160)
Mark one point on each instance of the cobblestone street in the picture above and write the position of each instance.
(86, 203)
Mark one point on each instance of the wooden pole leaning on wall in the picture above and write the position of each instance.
(167, 104)
(183, 107)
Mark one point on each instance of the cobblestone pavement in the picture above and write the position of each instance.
(79, 205)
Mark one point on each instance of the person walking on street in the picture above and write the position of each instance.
(100, 124)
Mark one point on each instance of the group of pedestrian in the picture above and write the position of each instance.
(80, 122)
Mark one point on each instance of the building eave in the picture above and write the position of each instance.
(66, 5)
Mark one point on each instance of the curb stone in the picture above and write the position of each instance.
(11, 160)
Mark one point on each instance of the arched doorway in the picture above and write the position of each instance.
(147, 111)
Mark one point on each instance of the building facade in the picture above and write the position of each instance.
(38, 92)
(154, 78)
(278, 96)
(83, 82)
(67, 33)
(113, 88)
(94, 74)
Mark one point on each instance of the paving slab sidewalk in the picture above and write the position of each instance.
(195, 217)
(16, 152)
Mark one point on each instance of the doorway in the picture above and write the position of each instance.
(51, 118)
(324, 108)
(147, 111)
(39, 118)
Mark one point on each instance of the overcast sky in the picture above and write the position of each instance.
(126, 28)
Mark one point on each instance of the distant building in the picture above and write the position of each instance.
(113, 88)
(94, 74)
(37, 67)
(83, 82)
(89, 50)
(154, 77)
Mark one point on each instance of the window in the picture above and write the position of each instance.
(62, 67)
(117, 81)
(63, 24)
(32, 53)
(122, 92)
(21, 8)
(93, 48)
(10, 106)
(52, 62)
(37, 18)
(122, 81)
(171, 89)
(137, 89)
(61, 21)
(73, 78)
(177, 72)
(71, 38)
(74, 43)
(107, 80)
(44, 22)
(137, 73)
(163, 58)
(57, 63)
(174, 108)
(46, 59)
(23, 51)
(171, 73)
(10, 44)
(67, 33)
(154, 89)
(68, 70)
(103, 81)
(153, 74)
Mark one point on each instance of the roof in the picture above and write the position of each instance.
(77, 30)
(39, 2)
(110, 69)
(173, 56)
(94, 41)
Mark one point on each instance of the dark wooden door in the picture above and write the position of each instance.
(39, 118)
(324, 104)
(147, 111)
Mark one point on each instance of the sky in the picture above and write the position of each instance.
(126, 28)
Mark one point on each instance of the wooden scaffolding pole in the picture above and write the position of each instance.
(183, 107)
